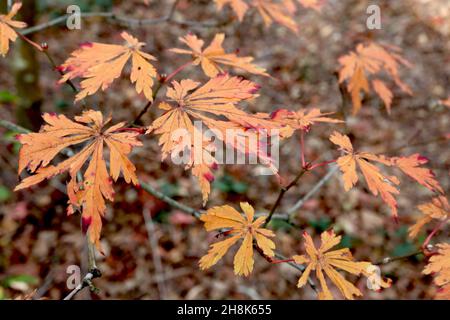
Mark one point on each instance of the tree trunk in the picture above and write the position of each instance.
(26, 73)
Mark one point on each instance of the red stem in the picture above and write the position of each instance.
(302, 147)
(321, 164)
(435, 230)
(281, 261)
(178, 70)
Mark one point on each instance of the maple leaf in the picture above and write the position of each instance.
(369, 60)
(377, 182)
(59, 132)
(100, 64)
(214, 55)
(439, 264)
(437, 209)
(325, 262)
(240, 7)
(238, 227)
(302, 119)
(189, 101)
(7, 33)
(272, 11)
(410, 166)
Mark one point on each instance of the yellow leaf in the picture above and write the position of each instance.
(325, 262)
(272, 11)
(302, 119)
(377, 182)
(7, 33)
(437, 209)
(239, 7)
(100, 64)
(214, 55)
(39, 149)
(239, 227)
(368, 60)
(439, 265)
(410, 166)
(189, 101)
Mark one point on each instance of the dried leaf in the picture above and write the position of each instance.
(59, 132)
(325, 262)
(214, 55)
(100, 64)
(377, 182)
(302, 119)
(7, 33)
(238, 227)
(439, 264)
(437, 209)
(370, 60)
(410, 166)
(240, 7)
(217, 98)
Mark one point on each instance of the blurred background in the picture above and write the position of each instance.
(159, 260)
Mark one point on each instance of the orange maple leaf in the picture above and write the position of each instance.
(324, 261)
(188, 101)
(437, 209)
(214, 55)
(7, 33)
(59, 133)
(272, 11)
(377, 182)
(439, 264)
(239, 227)
(410, 166)
(240, 7)
(369, 60)
(100, 64)
(302, 119)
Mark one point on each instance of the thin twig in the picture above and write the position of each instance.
(283, 191)
(93, 273)
(161, 196)
(155, 253)
(391, 259)
(123, 20)
(13, 127)
(434, 231)
(312, 191)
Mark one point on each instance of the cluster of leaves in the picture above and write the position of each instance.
(376, 181)
(322, 260)
(216, 104)
(271, 10)
(368, 60)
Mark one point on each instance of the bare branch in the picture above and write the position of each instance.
(313, 190)
(155, 253)
(123, 20)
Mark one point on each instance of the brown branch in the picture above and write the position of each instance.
(283, 191)
(391, 259)
(124, 20)
(93, 273)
